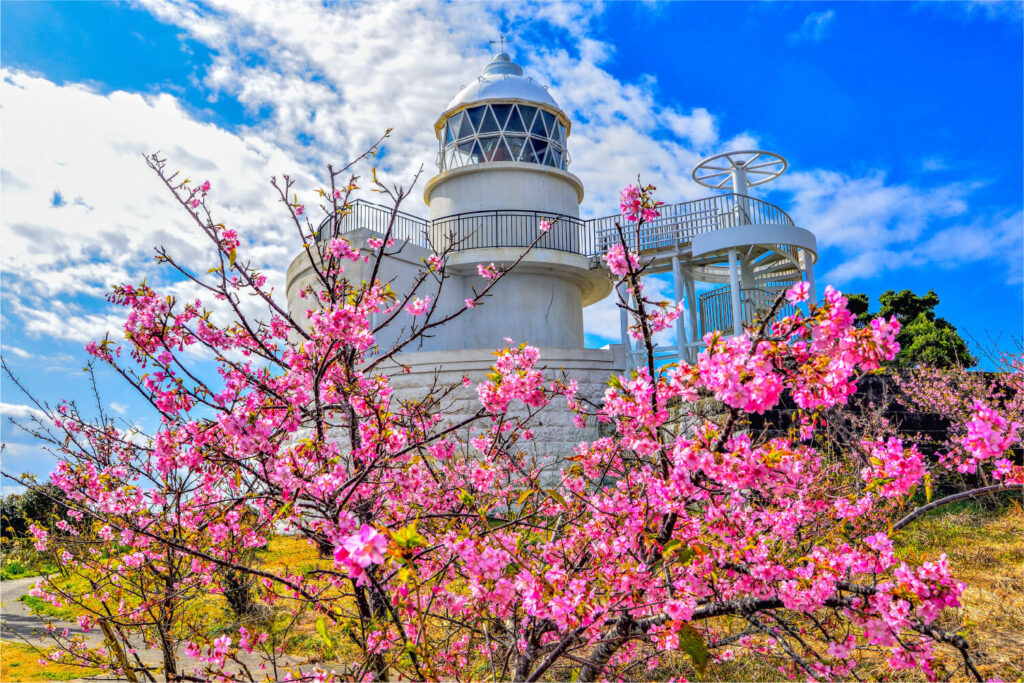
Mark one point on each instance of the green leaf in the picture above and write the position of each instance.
(231, 256)
(321, 628)
(409, 537)
(465, 498)
(670, 546)
(557, 497)
(692, 643)
(928, 487)
(523, 497)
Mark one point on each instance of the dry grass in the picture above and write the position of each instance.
(985, 549)
(986, 552)
(20, 662)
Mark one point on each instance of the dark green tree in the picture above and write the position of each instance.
(924, 338)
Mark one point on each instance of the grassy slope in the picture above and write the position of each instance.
(20, 662)
(985, 549)
(986, 552)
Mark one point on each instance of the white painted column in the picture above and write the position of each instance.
(734, 290)
(624, 326)
(746, 282)
(677, 283)
(694, 306)
(809, 275)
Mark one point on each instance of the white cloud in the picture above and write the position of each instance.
(16, 351)
(88, 146)
(20, 411)
(863, 215)
(815, 27)
(119, 408)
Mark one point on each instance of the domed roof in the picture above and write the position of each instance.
(503, 79)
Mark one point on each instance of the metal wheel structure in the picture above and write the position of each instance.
(743, 168)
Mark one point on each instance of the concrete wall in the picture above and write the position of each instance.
(540, 301)
(504, 185)
(556, 436)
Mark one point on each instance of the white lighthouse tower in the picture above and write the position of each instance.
(503, 163)
(502, 168)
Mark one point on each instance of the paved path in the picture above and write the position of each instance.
(18, 624)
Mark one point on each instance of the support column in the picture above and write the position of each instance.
(677, 283)
(694, 306)
(748, 302)
(624, 327)
(734, 290)
(809, 275)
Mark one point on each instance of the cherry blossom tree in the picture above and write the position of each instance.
(450, 556)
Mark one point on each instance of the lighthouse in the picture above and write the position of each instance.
(503, 167)
(503, 163)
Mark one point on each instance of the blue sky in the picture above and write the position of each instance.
(902, 124)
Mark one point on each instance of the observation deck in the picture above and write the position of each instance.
(677, 228)
(773, 251)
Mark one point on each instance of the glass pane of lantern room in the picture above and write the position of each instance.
(448, 136)
(527, 113)
(488, 124)
(549, 122)
(478, 153)
(475, 115)
(515, 144)
(501, 152)
(489, 144)
(466, 127)
(515, 123)
(538, 125)
(453, 124)
(501, 111)
(466, 152)
(529, 155)
(541, 146)
(555, 158)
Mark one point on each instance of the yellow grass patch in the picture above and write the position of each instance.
(20, 662)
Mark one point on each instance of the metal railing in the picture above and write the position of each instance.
(715, 310)
(678, 224)
(376, 218)
(716, 307)
(512, 228)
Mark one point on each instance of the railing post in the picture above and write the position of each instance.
(746, 286)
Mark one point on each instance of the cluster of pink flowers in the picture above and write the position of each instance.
(488, 272)
(199, 194)
(514, 378)
(360, 550)
(634, 203)
(894, 469)
(418, 306)
(620, 261)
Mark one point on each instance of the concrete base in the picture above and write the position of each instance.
(555, 434)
